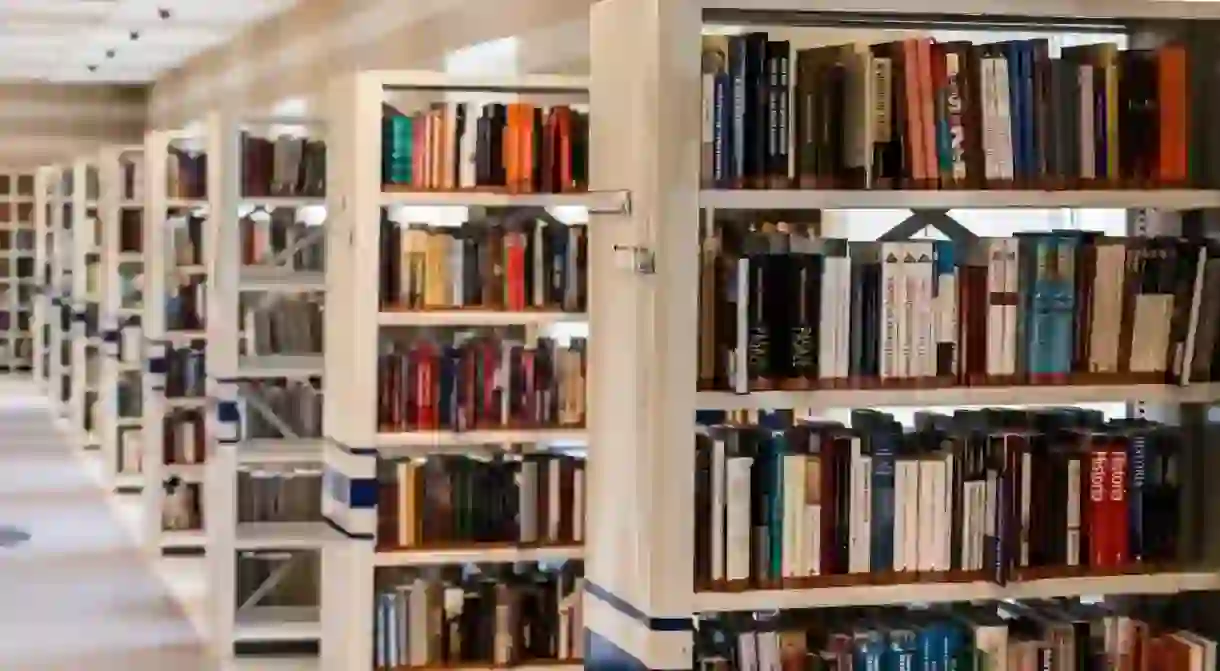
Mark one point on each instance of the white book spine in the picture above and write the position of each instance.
(945, 523)
(995, 313)
(813, 539)
(469, 148)
(718, 510)
(828, 321)
(1003, 119)
(990, 110)
(1072, 542)
(1185, 357)
(967, 525)
(737, 535)
(858, 522)
(791, 554)
(910, 534)
(842, 358)
(1011, 287)
(890, 300)
(900, 514)
(926, 552)
(1027, 477)
(924, 313)
(1088, 157)
(741, 353)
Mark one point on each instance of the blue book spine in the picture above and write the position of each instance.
(737, 113)
(882, 526)
(1065, 302)
(949, 645)
(1016, 108)
(722, 126)
(927, 646)
(1137, 468)
(1041, 333)
(775, 545)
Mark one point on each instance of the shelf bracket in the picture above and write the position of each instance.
(255, 402)
(921, 219)
(277, 576)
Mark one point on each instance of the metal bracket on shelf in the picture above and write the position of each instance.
(921, 219)
(277, 576)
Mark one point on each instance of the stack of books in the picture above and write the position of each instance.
(1031, 636)
(918, 113)
(990, 494)
(481, 382)
(285, 166)
(515, 147)
(496, 618)
(453, 500)
(496, 264)
(780, 309)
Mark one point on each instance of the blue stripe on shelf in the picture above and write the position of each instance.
(227, 411)
(355, 493)
(622, 606)
(603, 655)
(331, 523)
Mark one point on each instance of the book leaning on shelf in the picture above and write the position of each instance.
(918, 113)
(488, 265)
(497, 617)
(990, 494)
(450, 501)
(1043, 635)
(783, 310)
(515, 147)
(482, 382)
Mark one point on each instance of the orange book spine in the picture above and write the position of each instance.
(514, 252)
(527, 149)
(438, 148)
(914, 121)
(1171, 102)
(419, 147)
(511, 140)
(927, 95)
(565, 149)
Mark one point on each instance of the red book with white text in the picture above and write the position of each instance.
(1096, 508)
(1116, 501)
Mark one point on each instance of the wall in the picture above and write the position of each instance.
(294, 54)
(46, 123)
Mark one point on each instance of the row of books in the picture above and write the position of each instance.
(785, 310)
(1059, 635)
(185, 374)
(1007, 494)
(494, 264)
(182, 507)
(186, 304)
(296, 403)
(282, 495)
(446, 500)
(187, 239)
(499, 618)
(520, 147)
(918, 113)
(285, 166)
(186, 174)
(184, 436)
(292, 324)
(481, 382)
(17, 186)
(265, 236)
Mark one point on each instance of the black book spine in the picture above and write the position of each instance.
(757, 100)
(742, 112)
(806, 297)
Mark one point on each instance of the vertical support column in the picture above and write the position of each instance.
(220, 515)
(107, 402)
(353, 188)
(42, 200)
(153, 327)
(81, 243)
(645, 105)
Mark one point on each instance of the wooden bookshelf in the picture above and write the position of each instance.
(17, 229)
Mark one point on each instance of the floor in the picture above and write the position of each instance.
(80, 593)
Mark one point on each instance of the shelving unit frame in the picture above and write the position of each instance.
(227, 371)
(157, 342)
(646, 138)
(59, 294)
(44, 195)
(115, 322)
(85, 345)
(354, 318)
(19, 201)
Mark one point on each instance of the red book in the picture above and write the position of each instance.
(514, 271)
(426, 377)
(1096, 508)
(1116, 500)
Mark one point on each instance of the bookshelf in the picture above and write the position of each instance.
(60, 291)
(641, 589)
(86, 297)
(379, 316)
(44, 195)
(263, 471)
(120, 417)
(173, 321)
(17, 247)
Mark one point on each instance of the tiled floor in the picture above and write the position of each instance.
(80, 594)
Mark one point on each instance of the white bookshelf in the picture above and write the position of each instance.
(646, 138)
(17, 254)
(119, 315)
(86, 299)
(59, 293)
(162, 211)
(354, 326)
(44, 195)
(233, 288)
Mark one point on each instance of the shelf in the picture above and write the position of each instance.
(280, 365)
(129, 481)
(183, 538)
(476, 318)
(189, 473)
(186, 203)
(410, 439)
(1041, 395)
(256, 278)
(280, 450)
(277, 623)
(272, 202)
(129, 257)
(284, 535)
(184, 336)
(810, 199)
(876, 595)
(596, 201)
(187, 402)
(489, 555)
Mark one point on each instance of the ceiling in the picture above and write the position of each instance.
(91, 41)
